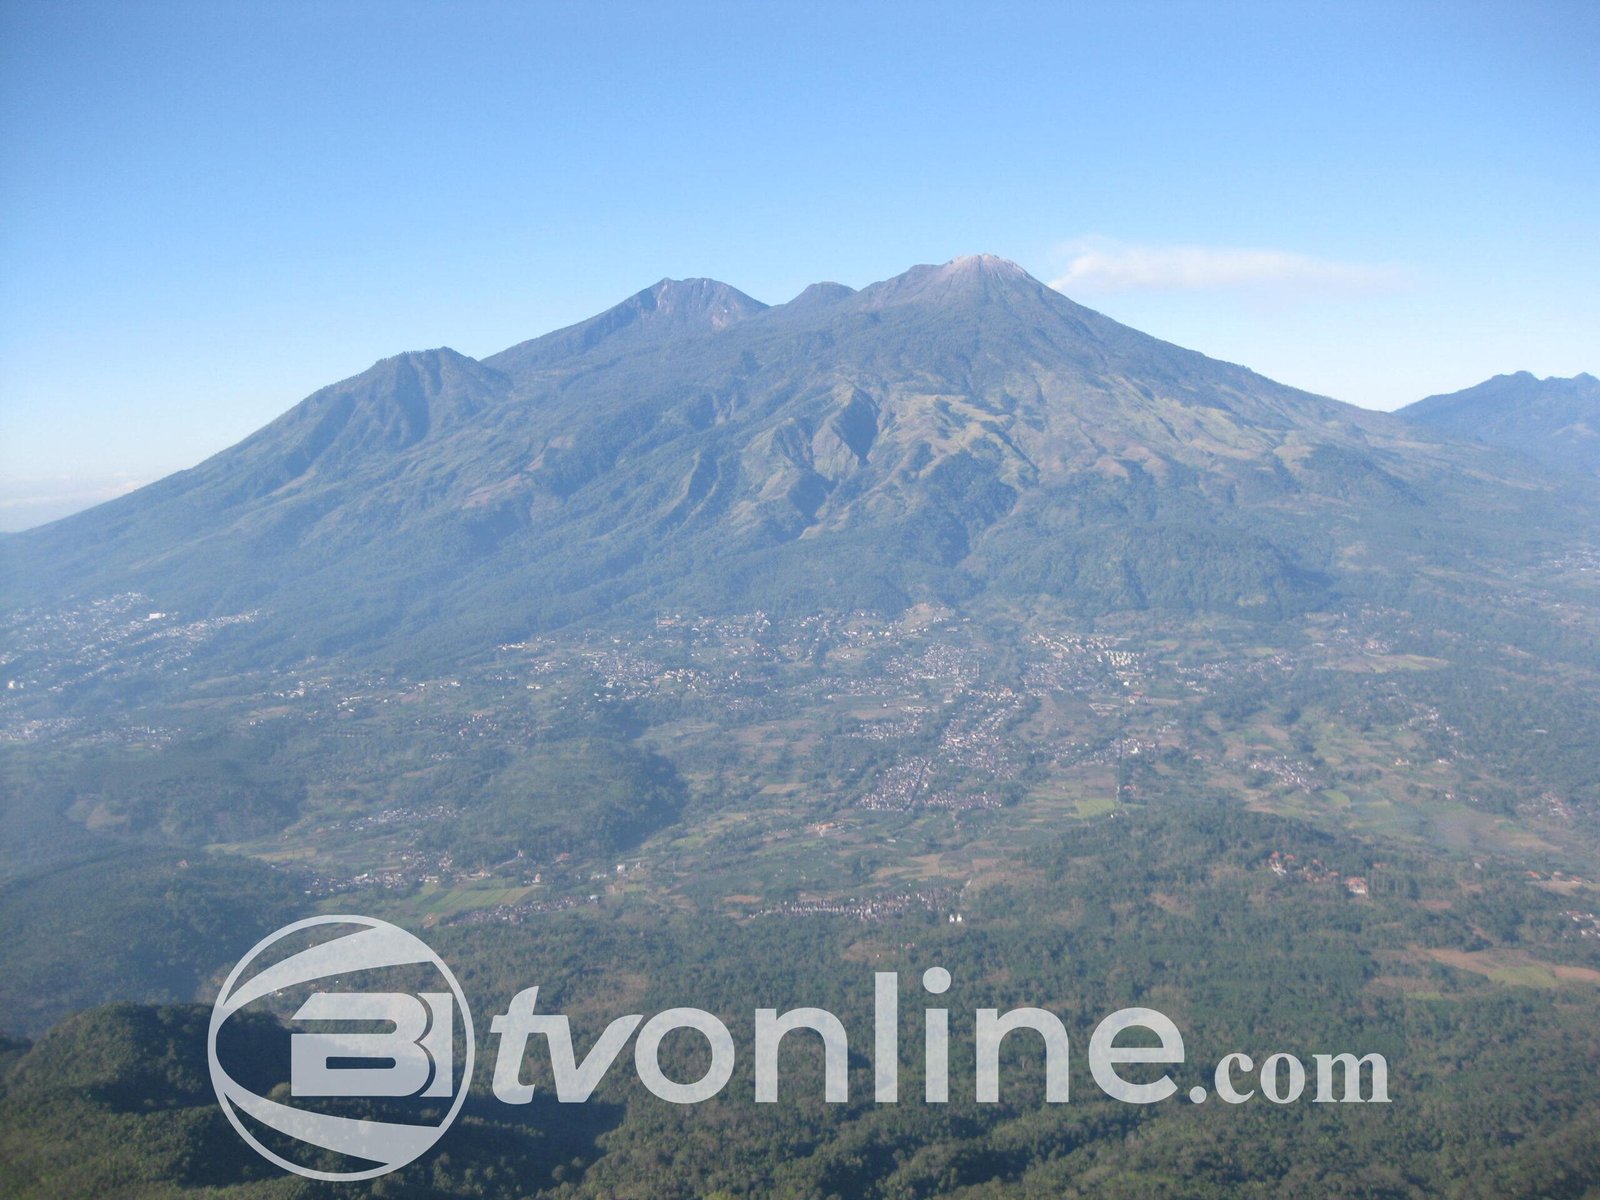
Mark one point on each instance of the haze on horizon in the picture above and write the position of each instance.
(209, 212)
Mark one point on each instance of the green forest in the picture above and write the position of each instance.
(1492, 1049)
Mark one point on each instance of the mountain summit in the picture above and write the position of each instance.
(957, 431)
(671, 308)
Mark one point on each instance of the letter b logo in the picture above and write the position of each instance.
(420, 1045)
(371, 1047)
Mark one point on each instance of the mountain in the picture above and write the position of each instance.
(956, 431)
(943, 621)
(1555, 421)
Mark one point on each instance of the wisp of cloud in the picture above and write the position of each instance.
(1103, 265)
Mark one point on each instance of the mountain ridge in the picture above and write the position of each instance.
(955, 430)
(1554, 421)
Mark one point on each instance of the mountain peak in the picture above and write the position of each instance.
(984, 264)
(819, 295)
(690, 299)
(439, 356)
(970, 277)
(666, 309)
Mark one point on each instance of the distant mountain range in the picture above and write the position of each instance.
(956, 431)
(1556, 421)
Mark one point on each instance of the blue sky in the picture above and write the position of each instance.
(207, 211)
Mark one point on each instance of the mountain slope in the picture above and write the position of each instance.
(1555, 421)
(954, 430)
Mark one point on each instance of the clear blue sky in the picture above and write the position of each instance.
(209, 210)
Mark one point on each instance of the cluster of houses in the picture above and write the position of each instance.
(1289, 866)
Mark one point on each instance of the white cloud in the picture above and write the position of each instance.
(1103, 265)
